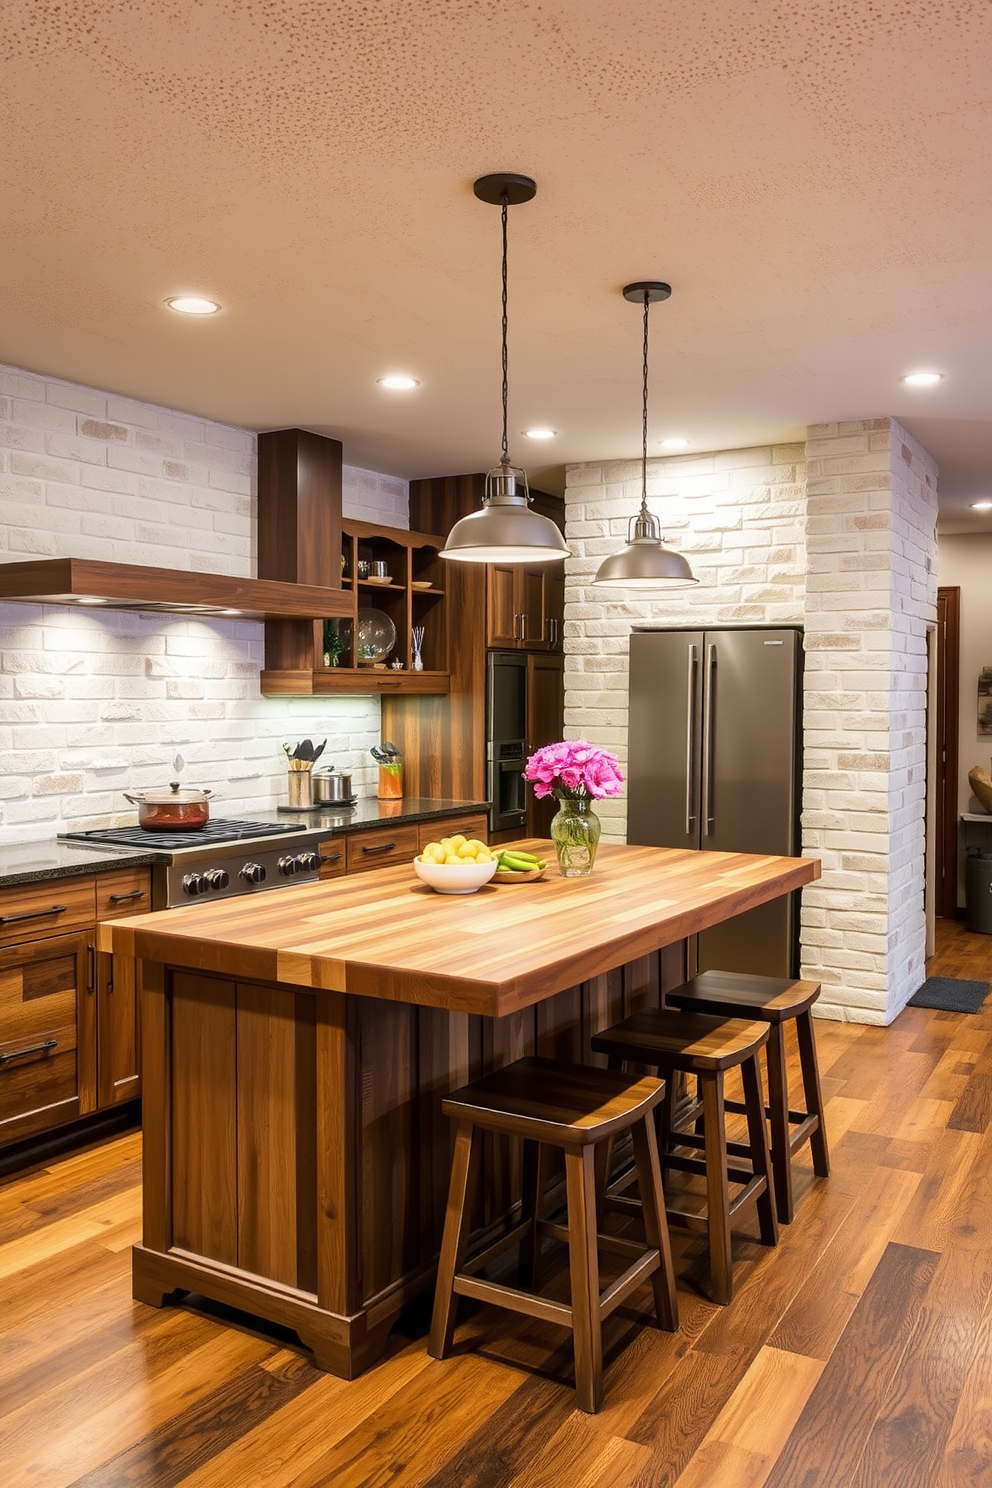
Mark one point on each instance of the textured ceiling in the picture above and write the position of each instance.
(812, 178)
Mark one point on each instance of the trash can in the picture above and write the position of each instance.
(978, 892)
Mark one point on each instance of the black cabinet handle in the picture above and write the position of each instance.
(91, 968)
(383, 847)
(34, 1049)
(330, 857)
(123, 898)
(34, 914)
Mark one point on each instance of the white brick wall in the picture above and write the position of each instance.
(872, 588)
(838, 535)
(94, 703)
(737, 515)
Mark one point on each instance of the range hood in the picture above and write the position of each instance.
(131, 586)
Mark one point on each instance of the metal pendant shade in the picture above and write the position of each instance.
(505, 529)
(645, 562)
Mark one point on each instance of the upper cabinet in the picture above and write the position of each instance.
(391, 582)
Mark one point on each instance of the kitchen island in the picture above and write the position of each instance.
(297, 1045)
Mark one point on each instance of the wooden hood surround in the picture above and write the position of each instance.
(299, 540)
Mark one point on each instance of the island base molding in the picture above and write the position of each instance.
(296, 1158)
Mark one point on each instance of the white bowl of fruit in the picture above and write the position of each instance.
(456, 865)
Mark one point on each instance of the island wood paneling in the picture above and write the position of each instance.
(203, 1109)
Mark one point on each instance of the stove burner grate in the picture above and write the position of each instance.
(211, 834)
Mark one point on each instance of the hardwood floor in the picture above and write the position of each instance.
(856, 1355)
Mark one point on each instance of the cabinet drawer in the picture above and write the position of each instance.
(126, 892)
(40, 987)
(29, 911)
(332, 857)
(469, 826)
(378, 849)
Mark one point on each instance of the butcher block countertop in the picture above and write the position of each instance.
(385, 934)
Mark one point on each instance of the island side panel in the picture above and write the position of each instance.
(204, 1117)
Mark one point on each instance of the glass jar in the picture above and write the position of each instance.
(575, 830)
(390, 781)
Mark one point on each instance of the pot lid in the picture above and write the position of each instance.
(173, 795)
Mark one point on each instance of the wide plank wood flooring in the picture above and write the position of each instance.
(856, 1355)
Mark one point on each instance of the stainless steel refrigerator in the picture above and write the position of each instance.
(714, 741)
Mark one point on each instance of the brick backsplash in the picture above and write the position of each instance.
(836, 534)
(95, 704)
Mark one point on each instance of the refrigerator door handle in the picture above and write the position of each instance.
(709, 689)
(690, 740)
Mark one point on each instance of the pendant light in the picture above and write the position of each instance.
(505, 530)
(645, 563)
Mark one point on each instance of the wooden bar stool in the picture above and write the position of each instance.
(574, 1107)
(772, 1000)
(705, 1047)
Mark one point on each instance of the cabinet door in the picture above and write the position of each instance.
(118, 1039)
(45, 1016)
(530, 589)
(503, 607)
(554, 607)
(546, 721)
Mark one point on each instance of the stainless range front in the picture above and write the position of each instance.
(221, 860)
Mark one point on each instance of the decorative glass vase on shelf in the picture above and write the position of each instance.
(576, 773)
(575, 830)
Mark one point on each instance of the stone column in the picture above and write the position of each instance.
(871, 590)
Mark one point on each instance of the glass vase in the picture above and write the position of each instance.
(575, 830)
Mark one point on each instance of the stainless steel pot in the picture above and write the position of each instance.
(173, 810)
(330, 786)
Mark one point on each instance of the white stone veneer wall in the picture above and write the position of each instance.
(738, 516)
(96, 702)
(872, 587)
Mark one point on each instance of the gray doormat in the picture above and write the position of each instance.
(950, 995)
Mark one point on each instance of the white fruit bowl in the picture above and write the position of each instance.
(455, 878)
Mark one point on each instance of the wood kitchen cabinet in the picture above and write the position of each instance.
(355, 852)
(520, 608)
(68, 1013)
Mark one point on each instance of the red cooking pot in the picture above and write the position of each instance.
(173, 810)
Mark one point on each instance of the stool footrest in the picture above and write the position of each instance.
(629, 1282)
(796, 1118)
(517, 1301)
(613, 1243)
(697, 1165)
(498, 1246)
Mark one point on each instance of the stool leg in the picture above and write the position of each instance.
(535, 1181)
(778, 1111)
(584, 1270)
(812, 1094)
(717, 1188)
(758, 1138)
(666, 1304)
(457, 1222)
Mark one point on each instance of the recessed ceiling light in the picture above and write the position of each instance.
(922, 379)
(193, 305)
(981, 506)
(540, 433)
(398, 382)
(230, 612)
(675, 443)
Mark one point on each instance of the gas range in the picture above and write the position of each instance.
(220, 860)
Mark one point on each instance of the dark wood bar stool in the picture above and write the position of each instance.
(574, 1107)
(706, 1047)
(775, 1001)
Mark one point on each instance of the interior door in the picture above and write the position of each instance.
(663, 734)
(749, 784)
(945, 865)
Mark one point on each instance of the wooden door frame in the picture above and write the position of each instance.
(947, 658)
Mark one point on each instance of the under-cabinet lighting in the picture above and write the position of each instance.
(981, 506)
(193, 305)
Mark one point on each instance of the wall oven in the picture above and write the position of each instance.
(506, 739)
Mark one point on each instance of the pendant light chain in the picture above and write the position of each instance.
(644, 414)
(505, 459)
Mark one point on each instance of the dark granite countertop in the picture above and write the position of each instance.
(31, 862)
(370, 812)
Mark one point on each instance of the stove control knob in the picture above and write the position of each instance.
(195, 883)
(289, 867)
(252, 873)
(216, 878)
(309, 862)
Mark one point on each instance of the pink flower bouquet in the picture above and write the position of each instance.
(573, 770)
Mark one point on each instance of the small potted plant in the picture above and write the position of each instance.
(334, 644)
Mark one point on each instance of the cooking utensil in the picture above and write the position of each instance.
(330, 786)
(305, 751)
(177, 809)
